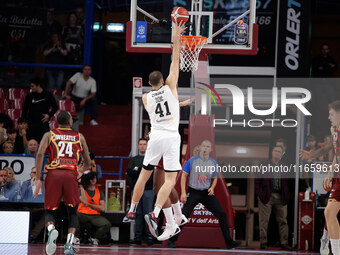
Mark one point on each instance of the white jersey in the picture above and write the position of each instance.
(163, 109)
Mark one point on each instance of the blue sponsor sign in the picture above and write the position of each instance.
(141, 31)
(241, 33)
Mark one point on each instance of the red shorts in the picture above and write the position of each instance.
(58, 184)
(334, 196)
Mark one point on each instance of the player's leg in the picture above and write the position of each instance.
(333, 227)
(53, 194)
(162, 196)
(152, 156)
(138, 192)
(214, 206)
(180, 218)
(71, 200)
(324, 241)
(194, 197)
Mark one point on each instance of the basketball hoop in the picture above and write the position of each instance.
(191, 47)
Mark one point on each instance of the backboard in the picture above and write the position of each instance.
(229, 25)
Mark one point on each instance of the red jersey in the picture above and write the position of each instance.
(64, 149)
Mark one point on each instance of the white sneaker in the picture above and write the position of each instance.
(324, 246)
(76, 241)
(169, 231)
(51, 245)
(181, 220)
(93, 241)
(93, 123)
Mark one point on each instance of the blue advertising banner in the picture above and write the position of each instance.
(141, 31)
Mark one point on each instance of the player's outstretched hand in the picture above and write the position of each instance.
(37, 188)
(178, 29)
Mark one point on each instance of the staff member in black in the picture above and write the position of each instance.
(39, 107)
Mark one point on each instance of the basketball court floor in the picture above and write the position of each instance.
(35, 249)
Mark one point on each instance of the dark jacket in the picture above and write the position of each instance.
(37, 104)
(264, 187)
(133, 171)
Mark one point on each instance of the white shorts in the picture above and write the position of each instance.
(164, 144)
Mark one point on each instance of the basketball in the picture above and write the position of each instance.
(179, 14)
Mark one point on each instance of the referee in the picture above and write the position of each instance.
(202, 182)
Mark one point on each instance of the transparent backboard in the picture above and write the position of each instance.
(229, 25)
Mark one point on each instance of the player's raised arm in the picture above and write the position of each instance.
(172, 79)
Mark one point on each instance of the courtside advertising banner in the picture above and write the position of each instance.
(21, 165)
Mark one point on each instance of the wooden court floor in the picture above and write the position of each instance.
(35, 249)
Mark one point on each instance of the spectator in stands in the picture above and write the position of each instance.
(55, 52)
(328, 156)
(10, 174)
(324, 65)
(32, 147)
(90, 208)
(39, 107)
(83, 92)
(7, 147)
(286, 157)
(16, 140)
(3, 132)
(146, 202)
(28, 187)
(22, 130)
(311, 147)
(37, 213)
(80, 16)
(95, 167)
(52, 26)
(6, 188)
(201, 186)
(73, 37)
(273, 192)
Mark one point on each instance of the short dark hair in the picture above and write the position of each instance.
(335, 106)
(87, 177)
(142, 139)
(87, 65)
(11, 130)
(281, 140)
(155, 78)
(63, 118)
(37, 81)
(21, 120)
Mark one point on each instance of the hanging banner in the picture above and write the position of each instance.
(294, 37)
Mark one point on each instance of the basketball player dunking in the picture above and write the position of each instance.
(333, 205)
(64, 146)
(163, 108)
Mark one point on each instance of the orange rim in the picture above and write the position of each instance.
(191, 41)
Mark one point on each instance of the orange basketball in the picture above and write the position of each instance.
(179, 14)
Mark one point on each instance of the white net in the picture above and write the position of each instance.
(190, 50)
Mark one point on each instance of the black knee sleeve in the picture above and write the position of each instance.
(50, 216)
(72, 216)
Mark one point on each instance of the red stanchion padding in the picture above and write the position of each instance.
(306, 221)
